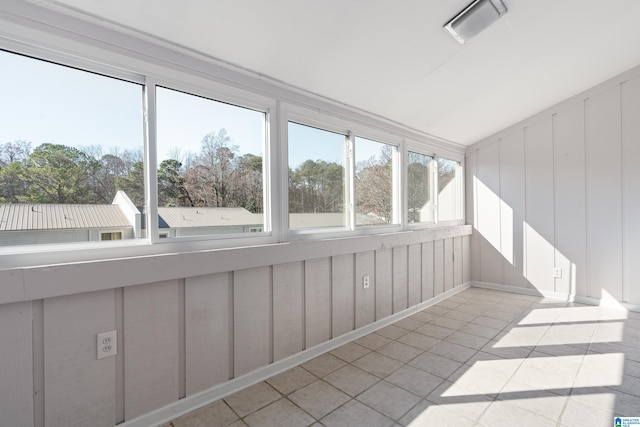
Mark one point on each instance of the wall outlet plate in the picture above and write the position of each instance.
(365, 282)
(557, 272)
(107, 344)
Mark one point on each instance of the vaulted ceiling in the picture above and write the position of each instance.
(393, 58)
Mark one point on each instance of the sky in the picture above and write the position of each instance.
(42, 102)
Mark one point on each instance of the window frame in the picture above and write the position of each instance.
(230, 86)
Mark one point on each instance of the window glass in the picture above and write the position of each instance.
(449, 191)
(420, 202)
(374, 182)
(210, 166)
(316, 177)
(71, 153)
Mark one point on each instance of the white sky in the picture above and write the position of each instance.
(46, 103)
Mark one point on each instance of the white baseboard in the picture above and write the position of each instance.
(188, 404)
(558, 295)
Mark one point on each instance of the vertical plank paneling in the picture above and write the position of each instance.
(448, 264)
(288, 280)
(438, 267)
(207, 331)
(251, 319)
(342, 294)
(365, 298)
(487, 189)
(80, 389)
(415, 274)
(16, 373)
(400, 278)
(457, 261)
(317, 278)
(384, 290)
(466, 259)
(151, 346)
(540, 253)
(630, 186)
(427, 271)
(604, 194)
(471, 207)
(512, 208)
(570, 193)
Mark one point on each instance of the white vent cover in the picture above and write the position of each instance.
(474, 19)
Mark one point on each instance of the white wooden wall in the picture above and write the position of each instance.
(178, 337)
(562, 189)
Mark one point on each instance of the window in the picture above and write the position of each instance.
(210, 165)
(71, 152)
(419, 188)
(374, 182)
(316, 177)
(111, 236)
(449, 190)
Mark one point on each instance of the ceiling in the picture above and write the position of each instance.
(394, 59)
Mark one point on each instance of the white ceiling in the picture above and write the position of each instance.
(393, 59)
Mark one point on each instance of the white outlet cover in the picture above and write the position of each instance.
(107, 344)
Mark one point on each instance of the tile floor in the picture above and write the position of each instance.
(480, 358)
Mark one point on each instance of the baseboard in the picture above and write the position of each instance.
(188, 404)
(602, 302)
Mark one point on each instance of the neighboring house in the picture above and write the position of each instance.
(27, 223)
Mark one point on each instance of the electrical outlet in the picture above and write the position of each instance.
(107, 345)
(557, 272)
(365, 282)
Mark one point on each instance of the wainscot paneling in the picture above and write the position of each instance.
(400, 291)
(81, 390)
(251, 319)
(288, 314)
(150, 346)
(317, 293)
(384, 290)
(207, 331)
(342, 294)
(365, 298)
(16, 398)
(414, 273)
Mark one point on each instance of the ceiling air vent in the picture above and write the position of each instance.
(474, 19)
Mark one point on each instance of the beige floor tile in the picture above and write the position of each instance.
(291, 380)
(467, 340)
(435, 310)
(281, 413)
(415, 380)
(423, 317)
(507, 413)
(323, 365)
(399, 351)
(449, 323)
(238, 423)
(468, 404)
(499, 349)
(215, 415)
(253, 398)
(480, 330)
(427, 414)
(436, 365)
(460, 315)
(372, 341)
(351, 380)
(539, 402)
(377, 364)
(577, 414)
(392, 332)
(409, 323)
(350, 352)
(355, 414)
(453, 351)
(434, 331)
(319, 398)
(389, 399)
(422, 342)
(490, 323)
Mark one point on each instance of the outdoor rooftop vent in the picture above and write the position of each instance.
(474, 19)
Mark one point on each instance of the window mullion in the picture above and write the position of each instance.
(150, 161)
(350, 181)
